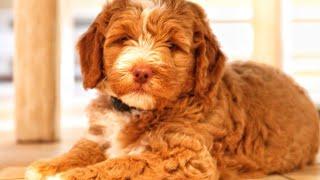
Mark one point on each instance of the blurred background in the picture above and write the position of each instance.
(282, 33)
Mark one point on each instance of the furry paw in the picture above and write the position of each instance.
(33, 173)
(40, 170)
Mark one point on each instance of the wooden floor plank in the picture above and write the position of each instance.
(273, 177)
(12, 173)
(12, 154)
(308, 173)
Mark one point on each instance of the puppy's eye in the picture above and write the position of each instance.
(172, 46)
(122, 40)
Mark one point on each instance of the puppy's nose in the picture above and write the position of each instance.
(142, 74)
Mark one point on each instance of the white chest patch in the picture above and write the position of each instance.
(112, 122)
(115, 123)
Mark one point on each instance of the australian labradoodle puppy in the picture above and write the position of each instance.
(170, 108)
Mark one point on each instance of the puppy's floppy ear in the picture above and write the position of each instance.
(90, 49)
(210, 60)
(90, 45)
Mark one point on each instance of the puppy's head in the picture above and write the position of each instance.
(149, 53)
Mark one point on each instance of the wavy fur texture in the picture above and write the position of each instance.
(196, 118)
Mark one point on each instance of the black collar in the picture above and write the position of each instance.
(119, 105)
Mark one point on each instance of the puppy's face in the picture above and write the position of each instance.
(148, 53)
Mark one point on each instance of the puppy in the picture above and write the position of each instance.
(170, 108)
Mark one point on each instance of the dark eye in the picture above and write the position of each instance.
(122, 40)
(172, 46)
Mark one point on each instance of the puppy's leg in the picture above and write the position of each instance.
(84, 153)
(175, 163)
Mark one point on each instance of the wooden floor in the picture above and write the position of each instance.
(14, 158)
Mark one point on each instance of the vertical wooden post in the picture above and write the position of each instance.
(268, 32)
(36, 70)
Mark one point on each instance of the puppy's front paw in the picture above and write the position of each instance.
(40, 170)
(33, 173)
